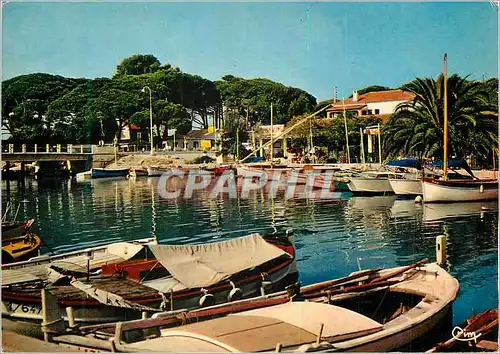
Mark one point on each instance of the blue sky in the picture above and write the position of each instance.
(312, 46)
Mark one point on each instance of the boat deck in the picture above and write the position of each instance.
(125, 288)
(32, 272)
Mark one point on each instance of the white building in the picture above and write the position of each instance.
(381, 103)
(6, 133)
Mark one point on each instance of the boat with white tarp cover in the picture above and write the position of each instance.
(124, 279)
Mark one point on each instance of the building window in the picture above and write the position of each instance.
(369, 112)
(139, 136)
(195, 145)
(364, 113)
(377, 111)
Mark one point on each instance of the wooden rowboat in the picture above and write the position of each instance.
(157, 171)
(15, 228)
(155, 277)
(34, 272)
(109, 172)
(15, 249)
(372, 310)
(480, 334)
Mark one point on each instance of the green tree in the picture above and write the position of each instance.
(373, 88)
(253, 97)
(25, 100)
(138, 64)
(416, 128)
(74, 116)
(234, 134)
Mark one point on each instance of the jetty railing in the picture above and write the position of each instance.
(48, 148)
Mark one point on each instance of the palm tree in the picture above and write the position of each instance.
(416, 128)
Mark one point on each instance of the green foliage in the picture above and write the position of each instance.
(25, 100)
(46, 107)
(373, 88)
(321, 105)
(138, 64)
(253, 97)
(416, 128)
(333, 135)
(198, 95)
(234, 126)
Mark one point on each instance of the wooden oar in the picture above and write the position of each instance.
(399, 271)
(339, 281)
(349, 289)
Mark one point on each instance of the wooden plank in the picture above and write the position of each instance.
(265, 338)
(39, 271)
(400, 271)
(229, 325)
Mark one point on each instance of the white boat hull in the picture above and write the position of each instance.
(433, 192)
(369, 185)
(406, 186)
(155, 172)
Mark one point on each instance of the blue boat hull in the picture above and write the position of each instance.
(106, 173)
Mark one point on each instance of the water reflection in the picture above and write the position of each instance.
(332, 236)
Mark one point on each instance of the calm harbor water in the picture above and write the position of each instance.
(332, 237)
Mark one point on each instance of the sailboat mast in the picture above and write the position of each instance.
(272, 141)
(379, 145)
(362, 150)
(346, 134)
(445, 149)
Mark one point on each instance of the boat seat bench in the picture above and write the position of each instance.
(294, 323)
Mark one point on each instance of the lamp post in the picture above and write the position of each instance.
(150, 113)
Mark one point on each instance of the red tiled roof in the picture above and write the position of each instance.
(372, 97)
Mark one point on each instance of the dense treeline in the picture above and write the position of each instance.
(50, 108)
(42, 107)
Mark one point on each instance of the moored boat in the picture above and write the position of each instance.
(410, 182)
(109, 172)
(406, 186)
(371, 182)
(19, 248)
(399, 305)
(153, 277)
(456, 187)
(15, 228)
(438, 190)
(480, 333)
(83, 176)
(156, 171)
(138, 172)
(286, 176)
